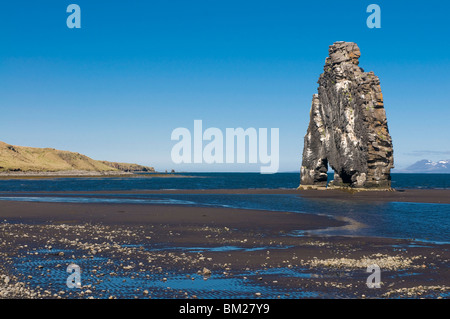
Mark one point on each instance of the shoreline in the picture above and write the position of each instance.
(74, 173)
(51, 175)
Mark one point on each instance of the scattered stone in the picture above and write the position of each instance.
(385, 262)
(206, 272)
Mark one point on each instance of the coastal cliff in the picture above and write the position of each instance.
(44, 161)
(348, 127)
(133, 168)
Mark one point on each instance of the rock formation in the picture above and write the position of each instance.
(132, 168)
(348, 128)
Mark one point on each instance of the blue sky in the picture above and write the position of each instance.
(116, 88)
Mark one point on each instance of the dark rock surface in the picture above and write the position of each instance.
(348, 127)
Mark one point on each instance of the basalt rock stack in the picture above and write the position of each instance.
(348, 128)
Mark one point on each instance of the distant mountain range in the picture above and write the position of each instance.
(423, 166)
(427, 166)
(21, 159)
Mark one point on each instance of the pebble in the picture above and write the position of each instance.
(206, 272)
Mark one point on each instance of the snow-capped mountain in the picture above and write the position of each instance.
(427, 166)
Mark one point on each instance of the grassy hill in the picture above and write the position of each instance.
(29, 159)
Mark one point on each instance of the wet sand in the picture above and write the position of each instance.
(167, 251)
(174, 215)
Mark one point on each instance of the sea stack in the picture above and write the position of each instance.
(348, 127)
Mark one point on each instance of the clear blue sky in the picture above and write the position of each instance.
(116, 88)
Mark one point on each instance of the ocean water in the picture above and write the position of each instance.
(200, 181)
(420, 221)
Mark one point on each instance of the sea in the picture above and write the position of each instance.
(422, 222)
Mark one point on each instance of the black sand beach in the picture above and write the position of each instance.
(115, 241)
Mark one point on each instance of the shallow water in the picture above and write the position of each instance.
(205, 249)
(94, 200)
(46, 269)
(179, 284)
